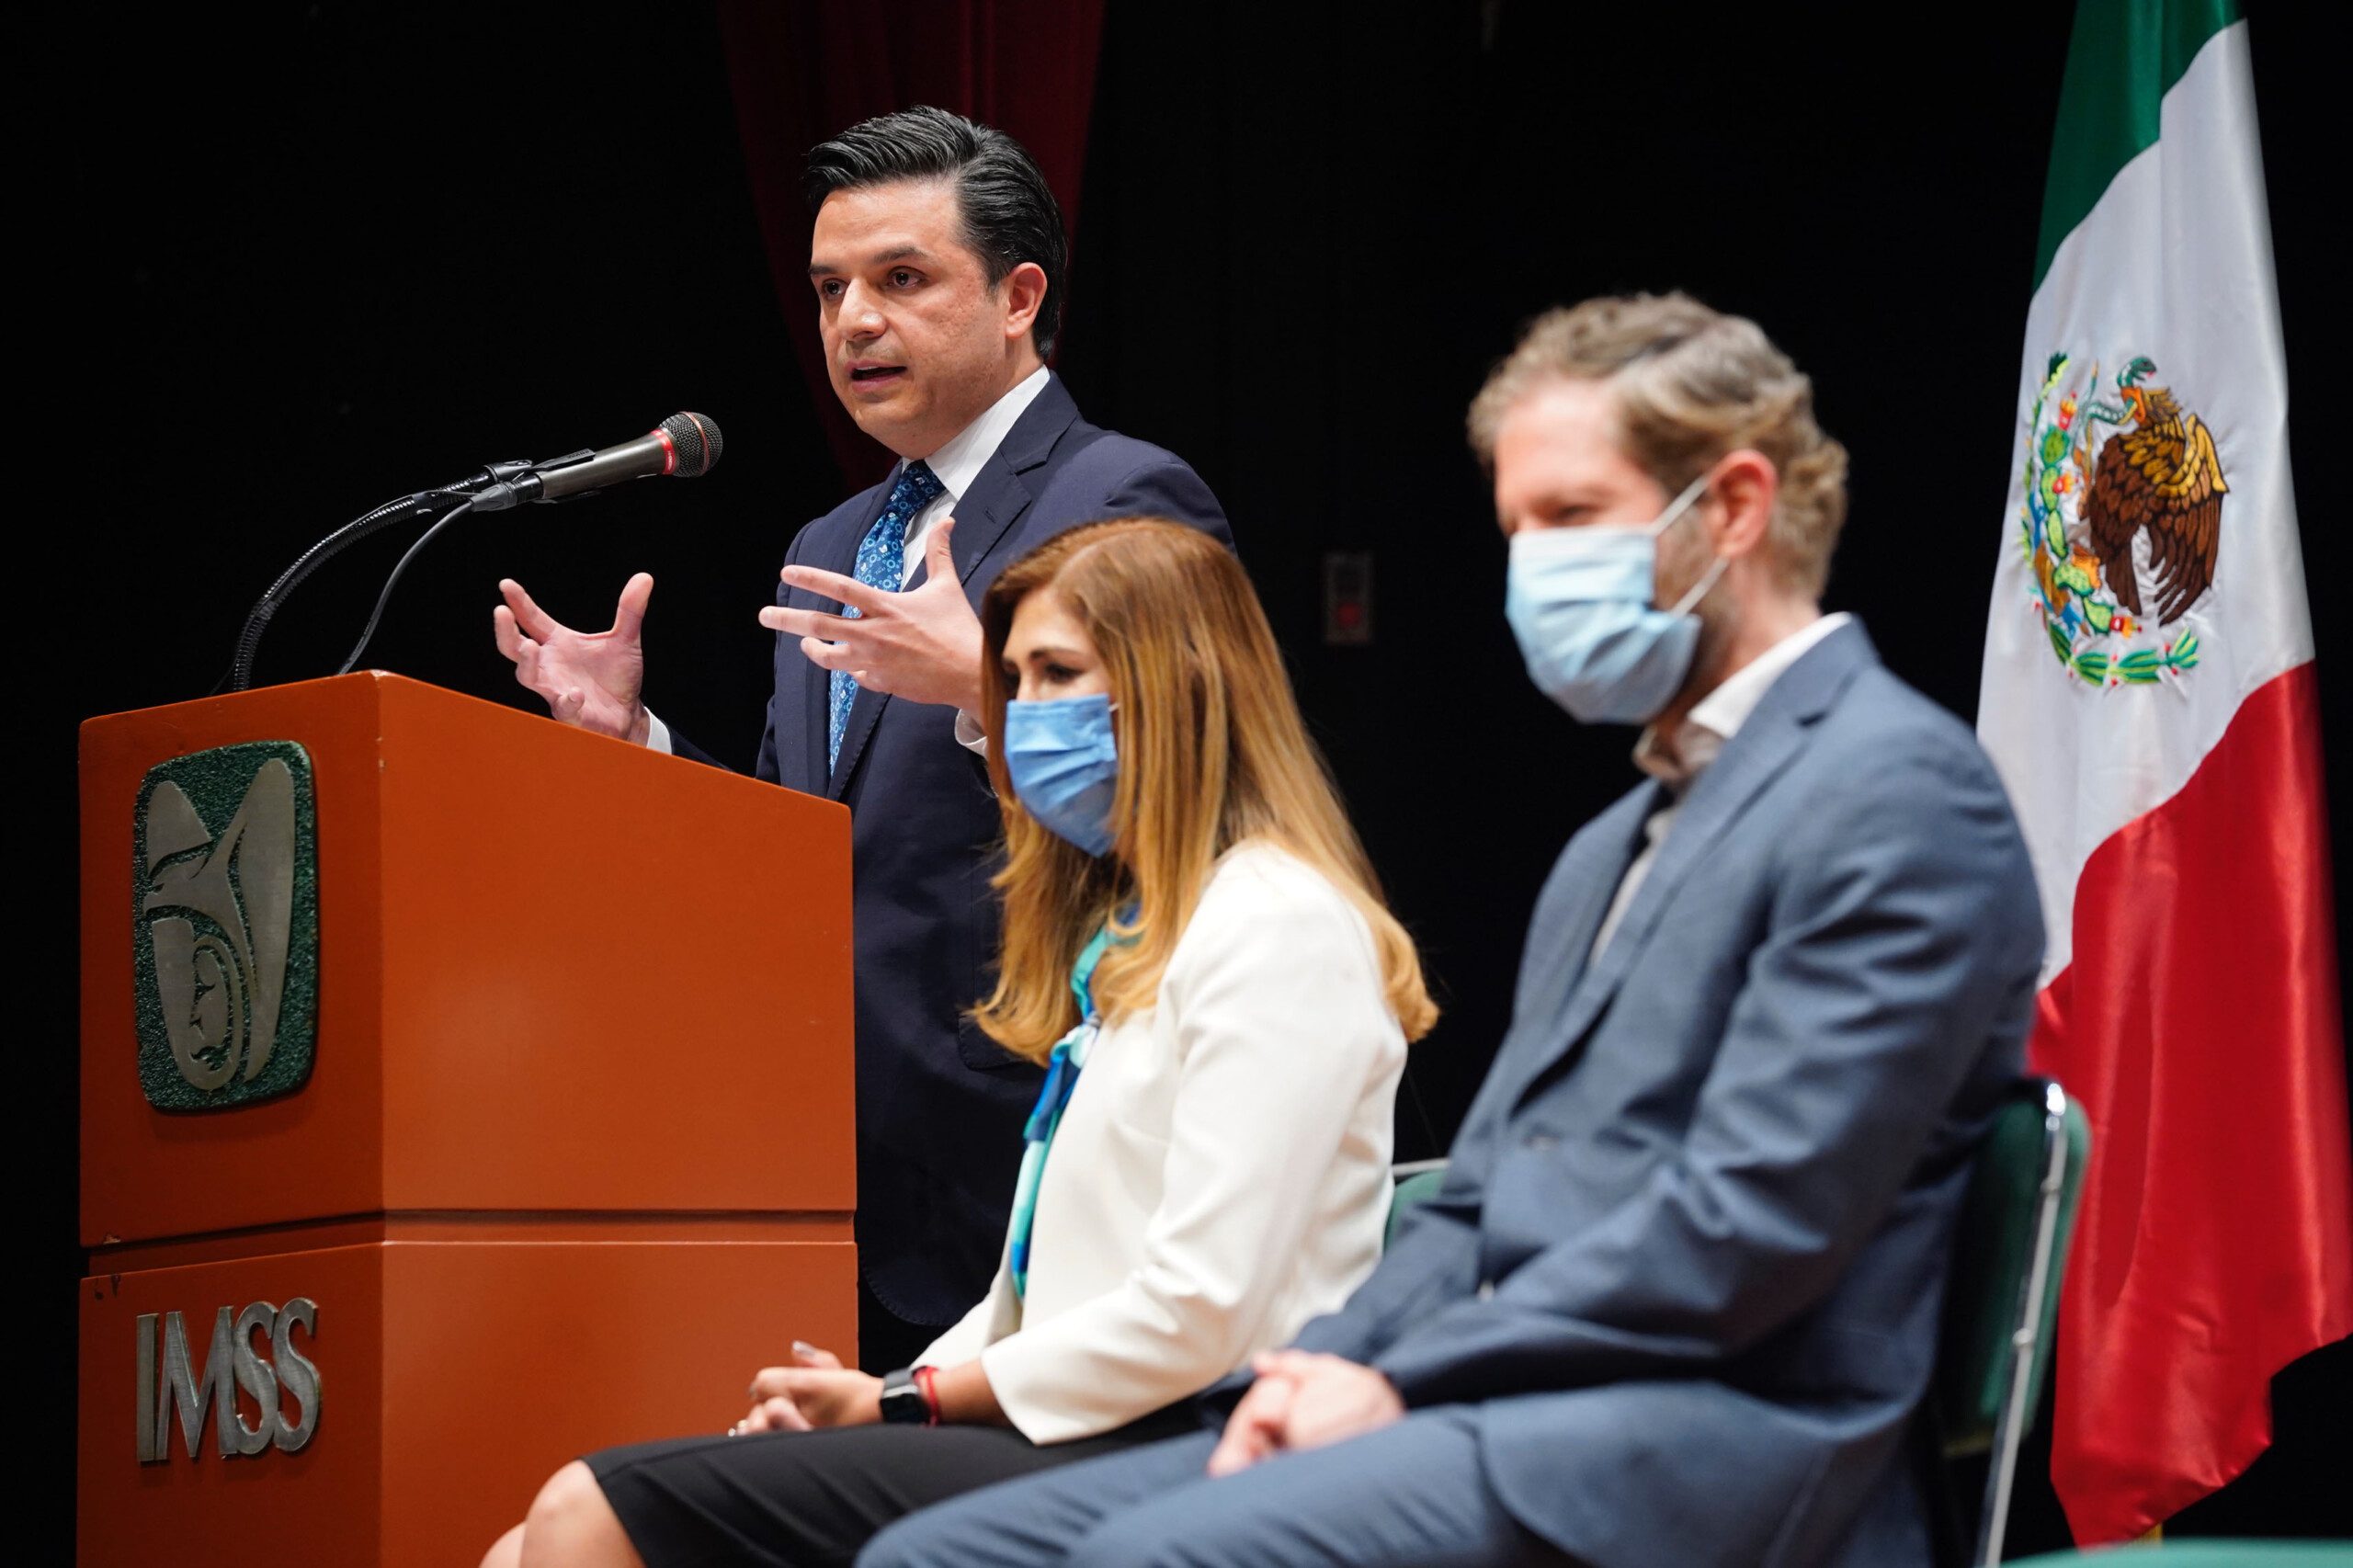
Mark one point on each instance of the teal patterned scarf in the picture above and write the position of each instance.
(1062, 1067)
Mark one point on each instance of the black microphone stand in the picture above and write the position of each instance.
(241, 668)
(686, 444)
(376, 614)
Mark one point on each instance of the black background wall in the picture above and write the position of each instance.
(315, 257)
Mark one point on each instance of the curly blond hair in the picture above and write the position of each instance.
(1691, 384)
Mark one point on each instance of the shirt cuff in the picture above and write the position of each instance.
(657, 734)
(969, 734)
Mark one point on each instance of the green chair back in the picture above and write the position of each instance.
(1417, 1182)
(2008, 1260)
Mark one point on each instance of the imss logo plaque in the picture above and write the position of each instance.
(225, 926)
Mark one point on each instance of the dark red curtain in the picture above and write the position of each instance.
(802, 70)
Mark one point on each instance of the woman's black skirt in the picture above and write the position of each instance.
(809, 1498)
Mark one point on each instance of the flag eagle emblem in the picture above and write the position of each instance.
(2122, 533)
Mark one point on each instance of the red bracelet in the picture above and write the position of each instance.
(930, 1395)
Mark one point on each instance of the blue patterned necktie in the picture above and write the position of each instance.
(881, 561)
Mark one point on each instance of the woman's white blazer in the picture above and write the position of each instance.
(1220, 1175)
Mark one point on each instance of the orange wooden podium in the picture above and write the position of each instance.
(565, 1155)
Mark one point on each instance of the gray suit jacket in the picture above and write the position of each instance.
(1689, 1255)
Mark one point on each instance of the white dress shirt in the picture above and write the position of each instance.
(959, 462)
(956, 465)
(1220, 1174)
(1713, 720)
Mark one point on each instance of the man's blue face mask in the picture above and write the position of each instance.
(1579, 602)
(1065, 766)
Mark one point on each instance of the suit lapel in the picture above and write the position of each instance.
(1608, 848)
(984, 515)
(996, 500)
(999, 496)
(1597, 863)
(837, 554)
(1766, 742)
(1750, 760)
(865, 711)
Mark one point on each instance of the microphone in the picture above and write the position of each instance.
(684, 446)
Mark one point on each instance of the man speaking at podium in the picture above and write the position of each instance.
(938, 264)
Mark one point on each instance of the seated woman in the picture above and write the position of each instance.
(1195, 947)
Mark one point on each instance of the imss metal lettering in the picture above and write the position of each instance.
(232, 1363)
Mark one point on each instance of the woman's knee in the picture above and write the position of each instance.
(570, 1521)
(507, 1551)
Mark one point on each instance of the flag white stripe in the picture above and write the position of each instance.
(2173, 263)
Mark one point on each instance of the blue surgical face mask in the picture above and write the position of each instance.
(1065, 766)
(1579, 602)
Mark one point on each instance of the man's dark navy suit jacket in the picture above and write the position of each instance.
(939, 1106)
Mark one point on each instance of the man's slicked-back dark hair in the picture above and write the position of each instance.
(1009, 215)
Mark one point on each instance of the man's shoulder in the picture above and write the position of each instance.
(1860, 719)
(1883, 715)
(1093, 474)
(1091, 456)
(1890, 770)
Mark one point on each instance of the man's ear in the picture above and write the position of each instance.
(1025, 292)
(1745, 485)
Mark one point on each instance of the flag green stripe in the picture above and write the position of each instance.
(2125, 57)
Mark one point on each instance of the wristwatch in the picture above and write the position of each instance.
(904, 1402)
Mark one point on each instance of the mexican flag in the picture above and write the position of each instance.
(2148, 697)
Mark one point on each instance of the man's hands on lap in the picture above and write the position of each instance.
(591, 680)
(818, 1393)
(922, 643)
(1302, 1400)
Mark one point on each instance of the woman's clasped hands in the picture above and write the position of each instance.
(820, 1392)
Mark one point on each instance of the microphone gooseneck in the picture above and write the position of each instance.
(393, 581)
(684, 446)
(240, 667)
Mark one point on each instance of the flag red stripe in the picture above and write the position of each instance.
(2197, 1024)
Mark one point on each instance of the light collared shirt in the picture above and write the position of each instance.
(1679, 762)
(957, 465)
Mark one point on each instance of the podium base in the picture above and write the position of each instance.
(423, 1373)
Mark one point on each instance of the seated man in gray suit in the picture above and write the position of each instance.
(1678, 1299)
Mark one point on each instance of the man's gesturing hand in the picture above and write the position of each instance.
(1302, 1401)
(923, 644)
(589, 678)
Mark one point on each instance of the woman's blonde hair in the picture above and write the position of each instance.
(1212, 754)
